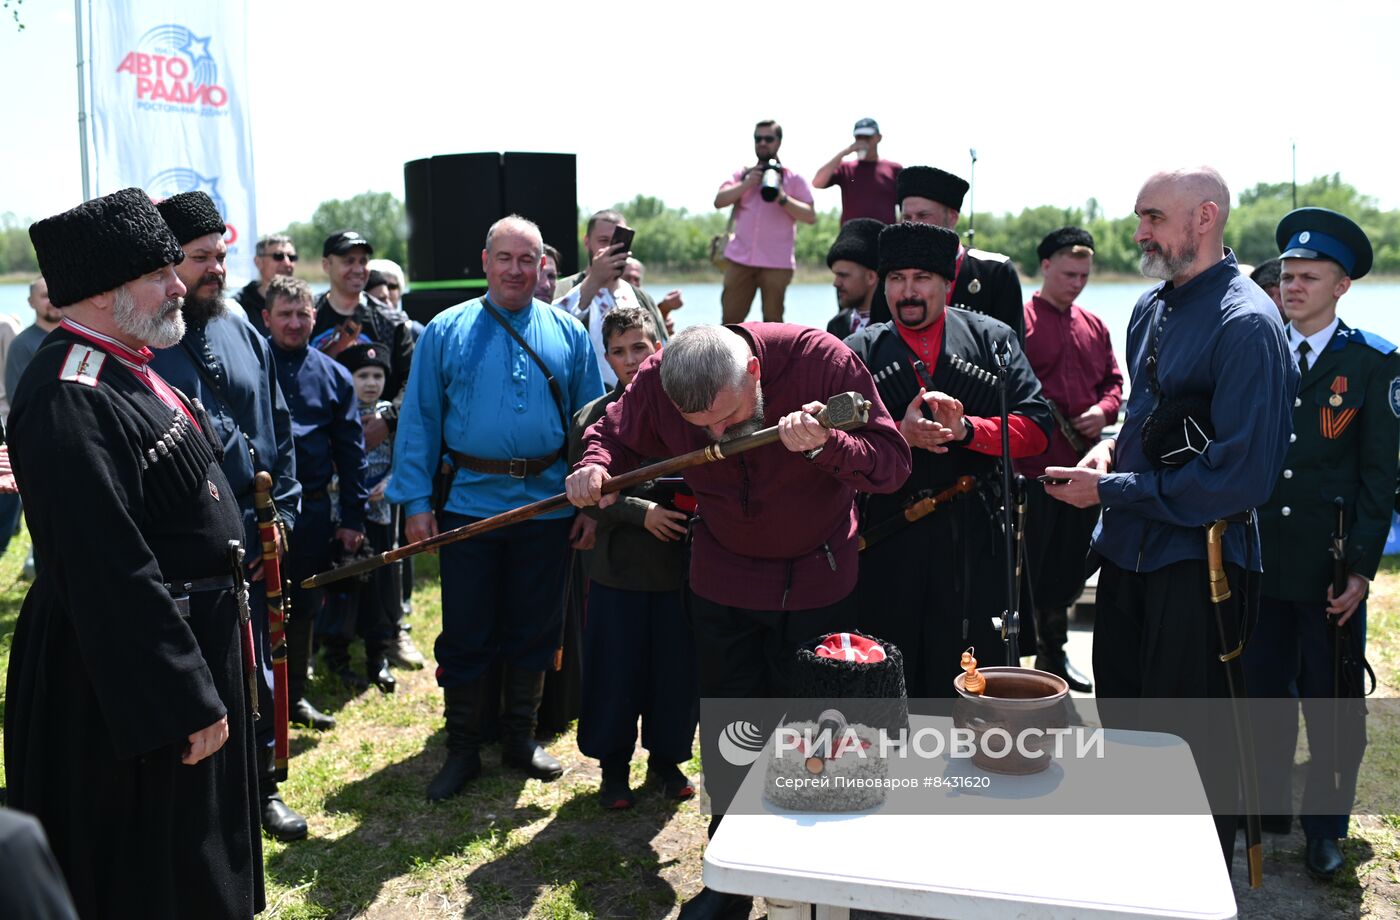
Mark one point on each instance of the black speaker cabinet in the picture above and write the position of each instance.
(544, 188)
(452, 200)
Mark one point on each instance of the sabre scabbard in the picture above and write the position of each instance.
(277, 611)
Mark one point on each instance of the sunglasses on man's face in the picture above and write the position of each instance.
(764, 138)
(281, 256)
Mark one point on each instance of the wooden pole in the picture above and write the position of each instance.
(843, 412)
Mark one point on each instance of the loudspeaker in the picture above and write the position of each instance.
(452, 200)
(418, 210)
(544, 188)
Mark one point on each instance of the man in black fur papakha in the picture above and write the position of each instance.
(128, 728)
(933, 586)
(978, 281)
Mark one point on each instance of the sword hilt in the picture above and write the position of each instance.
(1215, 562)
(845, 411)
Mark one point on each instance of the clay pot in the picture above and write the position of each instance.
(1016, 699)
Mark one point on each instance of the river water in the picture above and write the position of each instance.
(1371, 306)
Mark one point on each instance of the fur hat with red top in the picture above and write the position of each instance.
(859, 674)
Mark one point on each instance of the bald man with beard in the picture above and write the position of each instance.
(1210, 338)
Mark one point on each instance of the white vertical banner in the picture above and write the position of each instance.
(168, 107)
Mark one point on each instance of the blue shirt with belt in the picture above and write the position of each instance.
(475, 389)
(1217, 336)
(326, 428)
(245, 404)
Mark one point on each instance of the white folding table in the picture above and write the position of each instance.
(987, 862)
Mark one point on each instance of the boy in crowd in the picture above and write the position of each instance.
(363, 609)
(638, 658)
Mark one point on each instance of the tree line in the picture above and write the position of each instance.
(673, 239)
(378, 215)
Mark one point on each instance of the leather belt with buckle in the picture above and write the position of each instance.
(516, 467)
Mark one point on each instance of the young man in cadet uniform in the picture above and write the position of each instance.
(639, 659)
(1346, 431)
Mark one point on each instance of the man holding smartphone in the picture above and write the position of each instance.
(1205, 332)
(596, 291)
(768, 200)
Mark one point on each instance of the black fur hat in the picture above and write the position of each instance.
(102, 244)
(858, 242)
(923, 246)
(868, 692)
(365, 354)
(1064, 238)
(932, 183)
(1267, 273)
(191, 215)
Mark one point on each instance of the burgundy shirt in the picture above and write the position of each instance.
(1071, 354)
(776, 530)
(867, 189)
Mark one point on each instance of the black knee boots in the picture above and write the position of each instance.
(523, 692)
(463, 707)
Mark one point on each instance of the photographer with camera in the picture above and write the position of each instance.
(768, 200)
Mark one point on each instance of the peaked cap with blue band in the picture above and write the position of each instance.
(1317, 233)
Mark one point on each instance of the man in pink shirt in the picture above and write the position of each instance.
(1070, 351)
(867, 183)
(768, 200)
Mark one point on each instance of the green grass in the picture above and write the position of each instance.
(510, 847)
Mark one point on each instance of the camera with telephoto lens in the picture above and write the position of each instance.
(771, 185)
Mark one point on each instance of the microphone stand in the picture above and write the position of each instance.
(972, 199)
(1011, 618)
